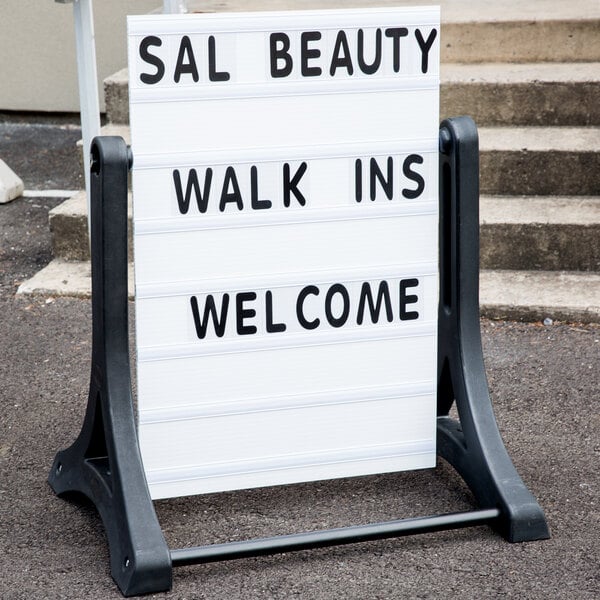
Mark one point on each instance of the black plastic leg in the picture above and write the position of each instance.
(473, 446)
(104, 463)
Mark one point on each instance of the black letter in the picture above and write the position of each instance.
(256, 203)
(337, 288)
(272, 327)
(343, 60)
(386, 184)
(235, 195)
(192, 183)
(383, 295)
(396, 33)
(364, 67)
(210, 308)
(404, 300)
(425, 47)
(413, 176)
(148, 41)
(358, 179)
(280, 54)
(307, 53)
(244, 313)
(309, 289)
(181, 67)
(213, 74)
(292, 185)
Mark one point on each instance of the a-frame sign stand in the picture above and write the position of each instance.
(105, 465)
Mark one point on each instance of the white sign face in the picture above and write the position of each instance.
(286, 245)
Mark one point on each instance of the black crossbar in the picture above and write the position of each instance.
(330, 537)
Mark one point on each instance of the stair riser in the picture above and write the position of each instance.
(514, 295)
(488, 103)
(532, 103)
(521, 172)
(503, 246)
(530, 313)
(521, 41)
(70, 238)
(116, 99)
(527, 173)
(496, 42)
(546, 247)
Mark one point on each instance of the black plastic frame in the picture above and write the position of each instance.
(104, 462)
(472, 445)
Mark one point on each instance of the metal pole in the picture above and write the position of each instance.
(88, 83)
(331, 537)
(174, 6)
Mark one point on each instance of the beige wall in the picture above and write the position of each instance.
(38, 70)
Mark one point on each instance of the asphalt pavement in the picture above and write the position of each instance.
(544, 381)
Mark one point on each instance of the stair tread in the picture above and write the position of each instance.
(496, 73)
(520, 73)
(119, 129)
(562, 295)
(572, 210)
(535, 139)
(540, 139)
(547, 210)
(76, 207)
(453, 11)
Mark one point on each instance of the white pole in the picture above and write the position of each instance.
(88, 84)
(174, 6)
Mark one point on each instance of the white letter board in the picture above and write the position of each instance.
(285, 185)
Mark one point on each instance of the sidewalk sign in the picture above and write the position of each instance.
(285, 246)
(306, 256)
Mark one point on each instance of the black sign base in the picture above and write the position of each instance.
(104, 463)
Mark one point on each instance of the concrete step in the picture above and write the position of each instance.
(116, 97)
(524, 161)
(493, 94)
(547, 233)
(474, 32)
(69, 227)
(541, 233)
(560, 161)
(67, 278)
(479, 30)
(517, 295)
(538, 295)
(543, 94)
(539, 141)
(118, 129)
